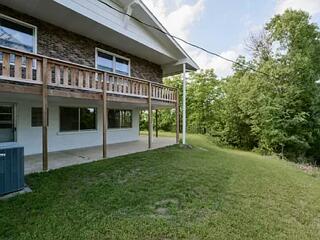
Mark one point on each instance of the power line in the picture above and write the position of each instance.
(182, 40)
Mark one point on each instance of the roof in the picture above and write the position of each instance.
(95, 20)
(190, 63)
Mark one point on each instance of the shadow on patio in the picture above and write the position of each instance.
(33, 163)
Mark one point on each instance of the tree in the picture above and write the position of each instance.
(271, 102)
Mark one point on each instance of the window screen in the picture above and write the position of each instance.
(111, 63)
(119, 118)
(69, 119)
(77, 119)
(105, 62)
(122, 66)
(87, 118)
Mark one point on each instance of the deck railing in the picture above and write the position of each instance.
(26, 67)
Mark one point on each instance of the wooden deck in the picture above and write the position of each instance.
(25, 72)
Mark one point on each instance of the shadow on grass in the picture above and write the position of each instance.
(159, 190)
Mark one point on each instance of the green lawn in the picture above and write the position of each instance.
(201, 193)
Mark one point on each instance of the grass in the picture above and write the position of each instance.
(201, 193)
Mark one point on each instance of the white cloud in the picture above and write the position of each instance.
(222, 67)
(175, 15)
(311, 6)
(178, 17)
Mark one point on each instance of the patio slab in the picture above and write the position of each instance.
(33, 163)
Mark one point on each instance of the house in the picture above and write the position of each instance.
(76, 73)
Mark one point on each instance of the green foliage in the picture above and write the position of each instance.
(275, 113)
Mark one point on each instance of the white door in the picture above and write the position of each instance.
(7, 123)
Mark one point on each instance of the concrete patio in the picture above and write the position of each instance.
(33, 163)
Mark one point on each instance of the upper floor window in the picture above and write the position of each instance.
(112, 63)
(16, 34)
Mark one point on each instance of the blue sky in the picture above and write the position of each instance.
(222, 26)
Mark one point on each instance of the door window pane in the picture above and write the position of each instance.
(88, 119)
(122, 66)
(6, 117)
(4, 109)
(16, 36)
(105, 62)
(69, 119)
(6, 124)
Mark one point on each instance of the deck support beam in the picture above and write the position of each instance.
(157, 129)
(177, 118)
(105, 117)
(150, 124)
(44, 115)
(184, 105)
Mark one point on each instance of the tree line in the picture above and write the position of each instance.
(271, 103)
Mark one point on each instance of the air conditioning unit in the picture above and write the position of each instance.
(11, 168)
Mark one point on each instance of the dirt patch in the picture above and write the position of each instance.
(162, 207)
(203, 149)
(162, 211)
(167, 202)
(310, 169)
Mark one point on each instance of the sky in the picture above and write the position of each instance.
(222, 26)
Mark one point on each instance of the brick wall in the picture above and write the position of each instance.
(56, 42)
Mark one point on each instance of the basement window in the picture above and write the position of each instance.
(111, 62)
(74, 119)
(119, 118)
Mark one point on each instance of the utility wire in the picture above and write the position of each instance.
(182, 40)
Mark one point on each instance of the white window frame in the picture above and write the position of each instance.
(113, 62)
(35, 29)
(120, 128)
(79, 130)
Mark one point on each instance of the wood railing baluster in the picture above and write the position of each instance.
(49, 73)
(38, 70)
(65, 79)
(57, 70)
(86, 79)
(73, 77)
(17, 67)
(80, 79)
(27, 67)
(6, 64)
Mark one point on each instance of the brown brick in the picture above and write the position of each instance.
(59, 43)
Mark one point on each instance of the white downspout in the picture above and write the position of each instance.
(184, 105)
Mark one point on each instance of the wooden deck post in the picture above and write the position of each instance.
(105, 116)
(184, 105)
(177, 118)
(157, 129)
(44, 115)
(150, 117)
